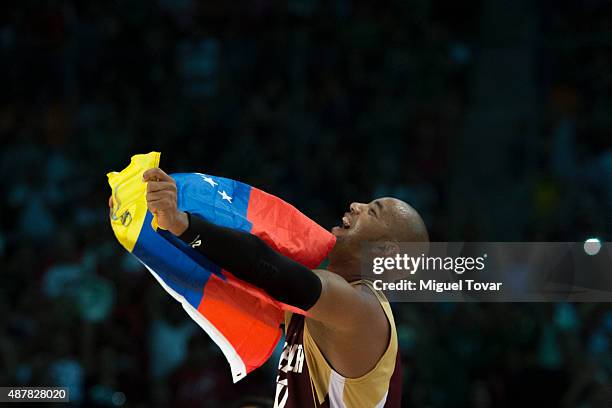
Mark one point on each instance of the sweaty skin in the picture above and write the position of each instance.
(347, 320)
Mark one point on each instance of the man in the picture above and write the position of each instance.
(342, 352)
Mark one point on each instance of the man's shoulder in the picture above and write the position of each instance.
(369, 339)
(371, 312)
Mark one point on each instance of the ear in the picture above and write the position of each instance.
(384, 248)
(390, 248)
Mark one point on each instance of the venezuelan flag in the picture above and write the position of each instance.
(242, 319)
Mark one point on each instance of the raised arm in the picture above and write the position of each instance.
(325, 296)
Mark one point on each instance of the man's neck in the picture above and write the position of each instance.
(349, 270)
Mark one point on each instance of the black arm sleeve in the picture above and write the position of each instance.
(252, 260)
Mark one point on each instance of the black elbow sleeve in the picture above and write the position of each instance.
(294, 285)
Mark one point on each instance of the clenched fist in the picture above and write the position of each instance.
(162, 201)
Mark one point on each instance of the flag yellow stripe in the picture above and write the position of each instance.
(129, 198)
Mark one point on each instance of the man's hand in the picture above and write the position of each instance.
(162, 201)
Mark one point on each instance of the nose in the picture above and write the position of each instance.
(356, 207)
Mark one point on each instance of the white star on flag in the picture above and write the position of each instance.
(209, 180)
(224, 196)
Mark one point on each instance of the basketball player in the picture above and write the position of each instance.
(343, 352)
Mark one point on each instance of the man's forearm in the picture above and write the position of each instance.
(252, 260)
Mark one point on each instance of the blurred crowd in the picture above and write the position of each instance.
(321, 103)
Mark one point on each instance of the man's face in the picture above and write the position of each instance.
(364, 222)
(385, 219)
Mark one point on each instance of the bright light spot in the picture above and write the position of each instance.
(592, 246)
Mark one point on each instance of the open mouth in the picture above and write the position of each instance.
(345, 225)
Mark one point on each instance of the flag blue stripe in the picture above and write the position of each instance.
(192, 253)
(177, 269)
(199, 197)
